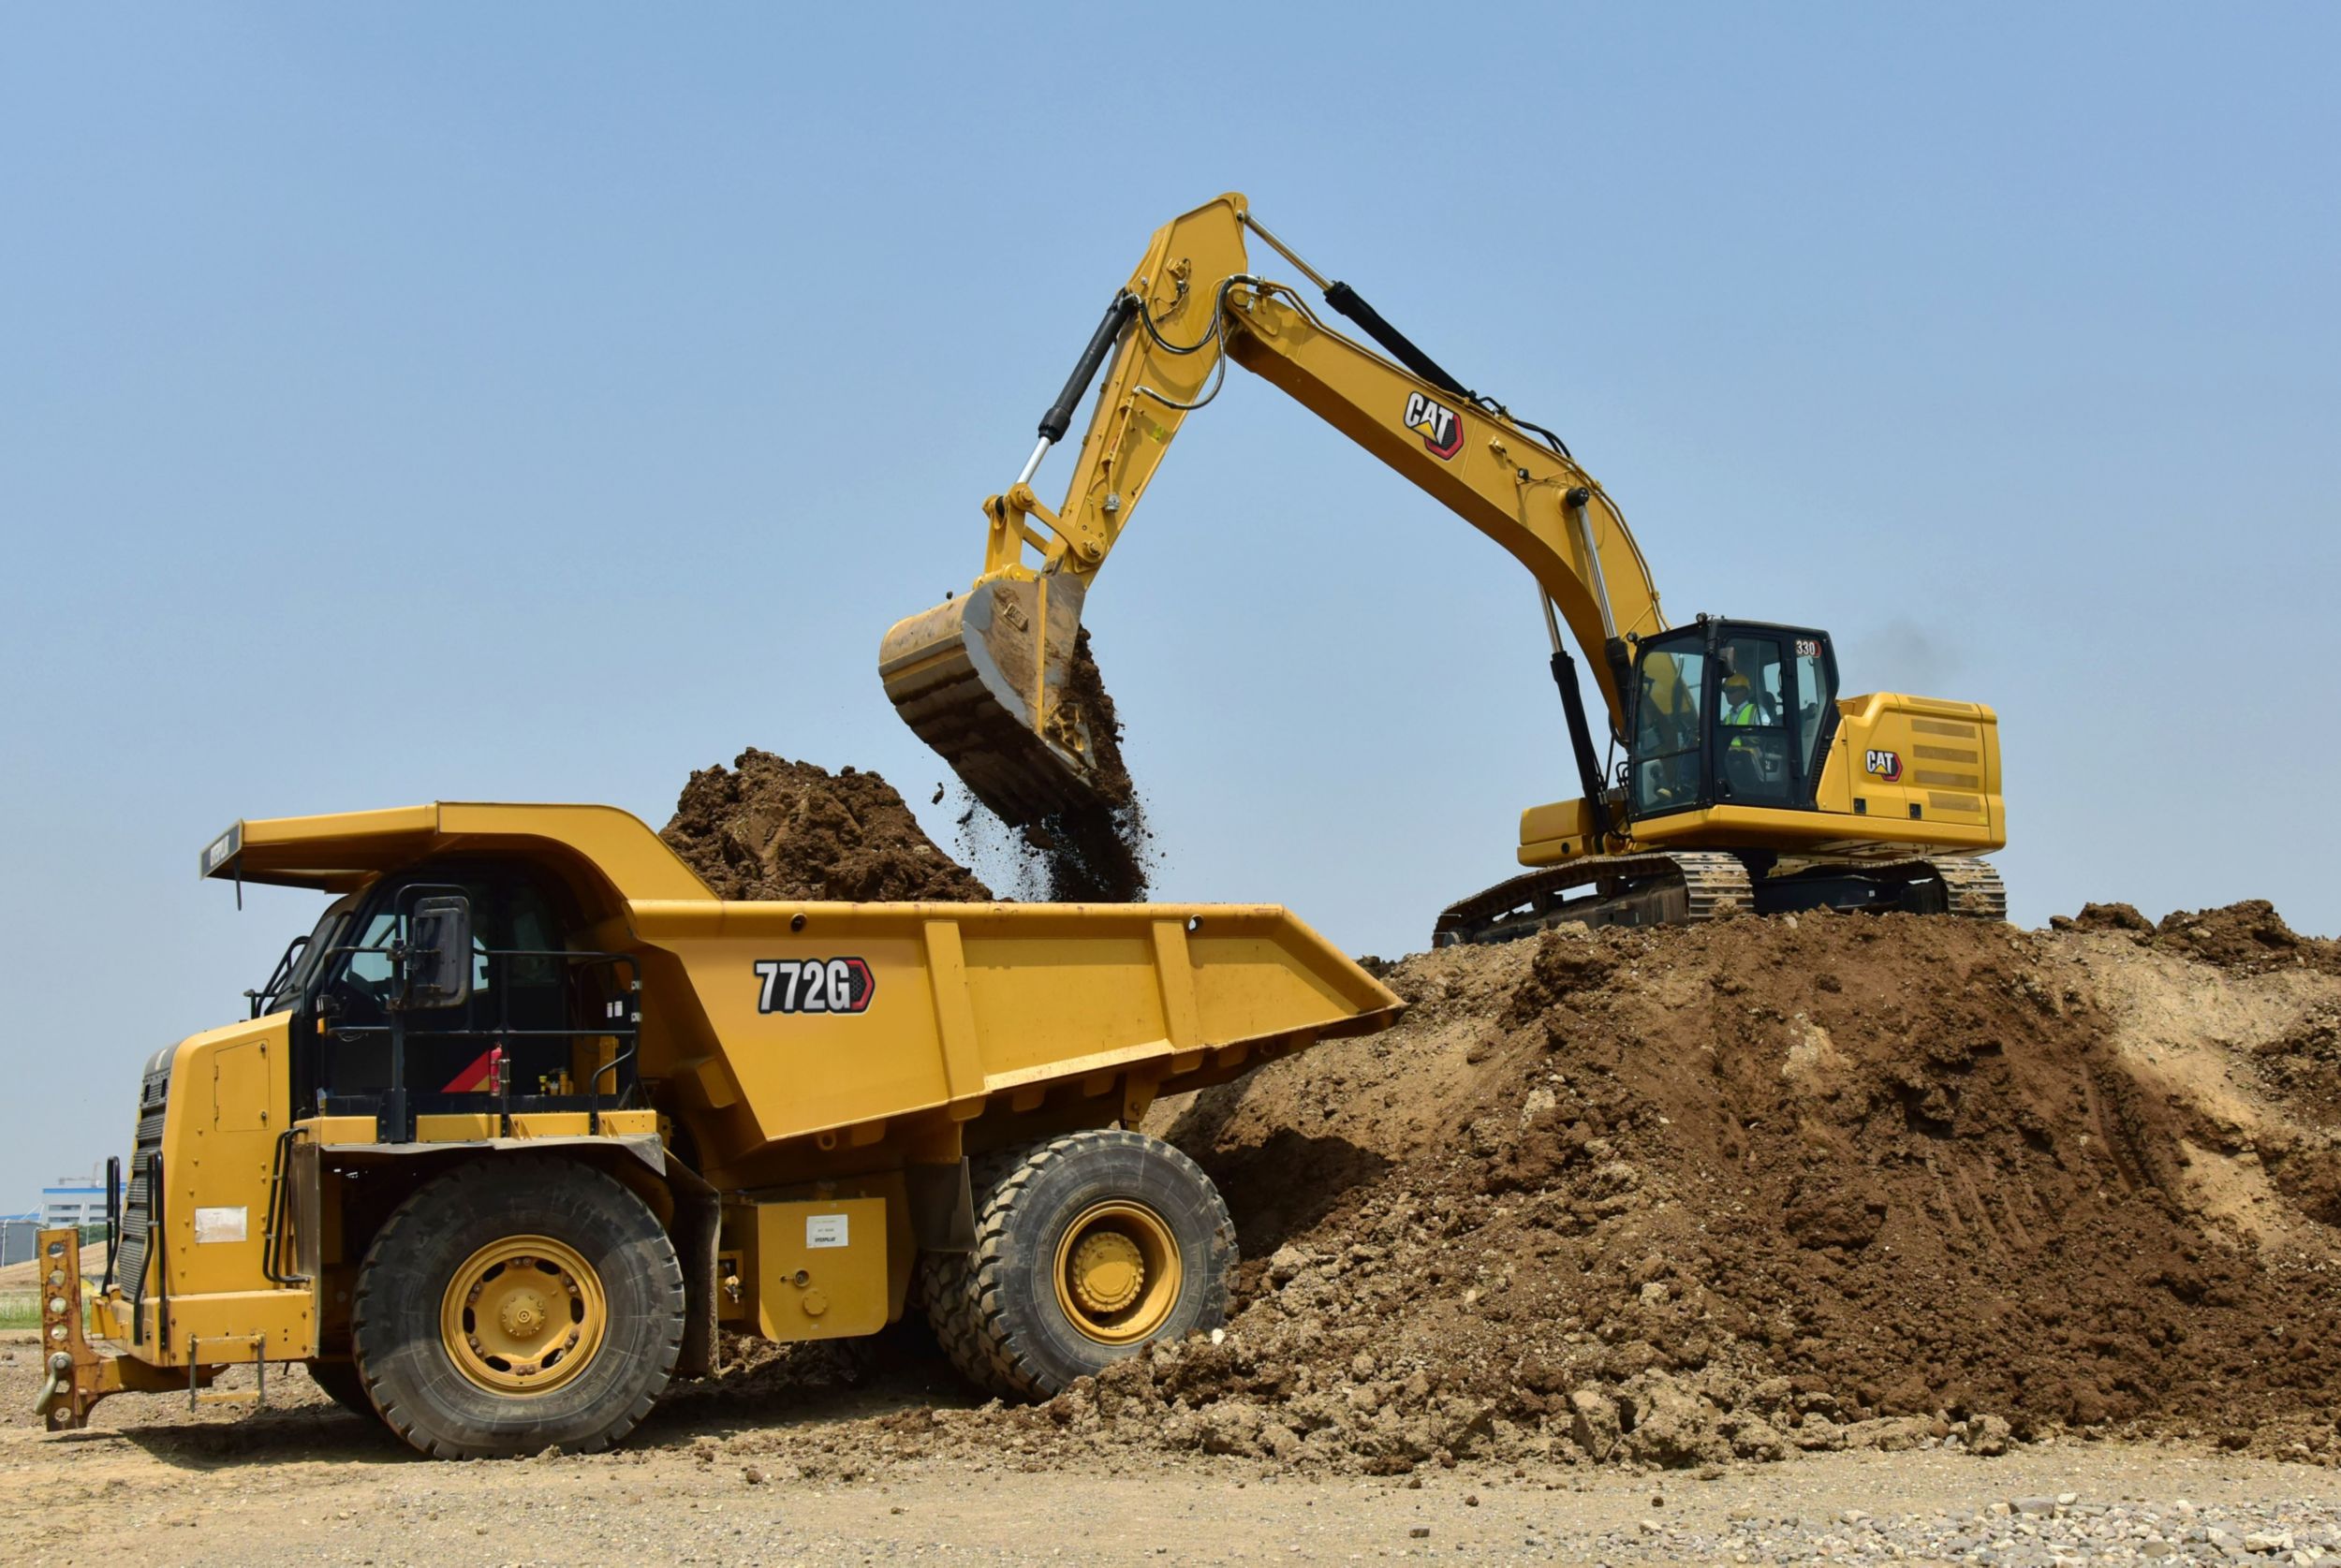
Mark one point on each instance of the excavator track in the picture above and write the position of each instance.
(1688, 887)
(1672, 889)
(1974, 887)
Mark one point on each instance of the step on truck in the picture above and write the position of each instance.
(531, 1117)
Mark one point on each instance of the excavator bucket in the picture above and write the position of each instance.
(987, 680)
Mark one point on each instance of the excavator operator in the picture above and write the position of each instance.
(1739, 702)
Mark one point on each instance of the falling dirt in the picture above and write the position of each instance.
(1099, 852)
(768, 827)
(1096, 853)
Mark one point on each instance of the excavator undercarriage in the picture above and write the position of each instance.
(1689, 886)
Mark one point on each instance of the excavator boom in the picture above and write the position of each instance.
(991, 679)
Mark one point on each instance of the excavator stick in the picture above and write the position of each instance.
(986, 679)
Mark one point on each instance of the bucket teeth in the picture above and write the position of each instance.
(982, 678)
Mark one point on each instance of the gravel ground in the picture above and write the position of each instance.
(2043, 1531)
(814, 1479)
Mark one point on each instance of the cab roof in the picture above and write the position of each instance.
(345, 850)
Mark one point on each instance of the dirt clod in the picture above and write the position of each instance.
(2251, 937)
(2106, 918)
(767, 827)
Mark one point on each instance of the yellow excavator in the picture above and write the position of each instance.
(1746, 783)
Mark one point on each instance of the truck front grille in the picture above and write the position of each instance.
(136, 1199)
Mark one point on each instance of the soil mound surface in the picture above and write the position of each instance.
(1684, 1197)
(767, 827)
(2250, 936)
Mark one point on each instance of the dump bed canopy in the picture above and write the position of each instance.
(339, 852)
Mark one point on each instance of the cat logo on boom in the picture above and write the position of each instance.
(1437, 423)
(1883, 765)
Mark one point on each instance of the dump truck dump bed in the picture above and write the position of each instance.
(963, 1009)
(765, 1024)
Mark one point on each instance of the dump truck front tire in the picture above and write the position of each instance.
(518, 1304)
(1088, 1247)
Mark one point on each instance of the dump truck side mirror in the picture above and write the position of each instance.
(439, 953)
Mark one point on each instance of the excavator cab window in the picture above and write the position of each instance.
(1731, 713)
(1669, 697)
(1817, 701)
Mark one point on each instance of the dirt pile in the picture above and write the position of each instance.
(2250, 936)
(767, 827)
(1684, 1196)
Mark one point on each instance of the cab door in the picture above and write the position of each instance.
(1755, 762)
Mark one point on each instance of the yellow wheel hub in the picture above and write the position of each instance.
(1118, 1272)
(522, 1315)
(1107, 1271)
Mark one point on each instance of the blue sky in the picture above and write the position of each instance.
(644, 368)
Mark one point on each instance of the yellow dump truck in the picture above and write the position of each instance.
(531, 1115)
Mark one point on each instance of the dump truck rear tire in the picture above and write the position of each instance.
(339, 1381)
(518, 1304)
(1088, 1247)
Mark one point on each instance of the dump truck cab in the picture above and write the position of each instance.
(529, 1113)
(458, 978)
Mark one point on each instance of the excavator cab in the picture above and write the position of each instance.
(1730, 712)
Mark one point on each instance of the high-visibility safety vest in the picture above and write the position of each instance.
(1742, 714)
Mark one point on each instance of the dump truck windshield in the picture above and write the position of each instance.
(303, 958)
